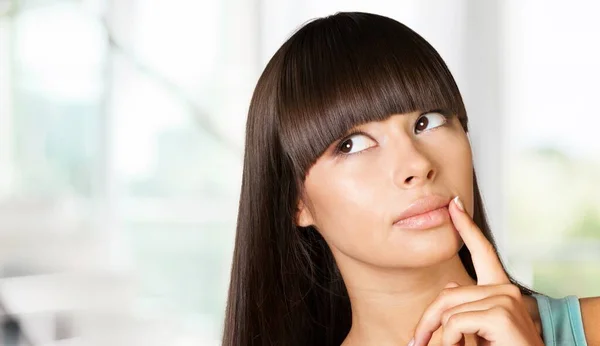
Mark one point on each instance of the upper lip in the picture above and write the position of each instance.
(423, 205)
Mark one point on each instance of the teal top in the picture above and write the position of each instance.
(561, 320)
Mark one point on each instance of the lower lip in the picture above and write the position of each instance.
(427, 220)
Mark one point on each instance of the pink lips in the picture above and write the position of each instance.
(424, 213)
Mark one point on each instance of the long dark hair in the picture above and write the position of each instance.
(332, 74)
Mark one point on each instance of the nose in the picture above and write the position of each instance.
(413, 167)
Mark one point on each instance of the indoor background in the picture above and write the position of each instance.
(121, 144)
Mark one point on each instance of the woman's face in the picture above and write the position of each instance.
(356, 196)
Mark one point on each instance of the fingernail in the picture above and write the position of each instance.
(411, 342)
(459, 203)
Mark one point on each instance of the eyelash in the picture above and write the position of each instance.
(338, 149)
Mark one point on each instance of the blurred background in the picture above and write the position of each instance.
(121, 145)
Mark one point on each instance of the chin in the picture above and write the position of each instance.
(427, 248)
(402, 248)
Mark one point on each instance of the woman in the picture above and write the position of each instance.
(360, 220)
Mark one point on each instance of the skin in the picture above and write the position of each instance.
(404, 283)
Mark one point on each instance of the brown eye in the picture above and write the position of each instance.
(355, 144)
(346, 146)
(422, 124)
(429, 121)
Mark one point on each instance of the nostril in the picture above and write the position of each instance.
(430, 175)
(408, 180)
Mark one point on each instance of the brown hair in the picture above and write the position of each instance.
(332, 74)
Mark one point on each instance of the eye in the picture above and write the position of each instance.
(354, 144)
(429, 121)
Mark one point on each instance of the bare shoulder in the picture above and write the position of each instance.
(590, 313)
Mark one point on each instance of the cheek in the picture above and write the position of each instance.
(457, 161)
(457, 167)
(344, 203)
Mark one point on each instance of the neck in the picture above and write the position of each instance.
(387, 304)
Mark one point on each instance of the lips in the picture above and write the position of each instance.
(426, 212)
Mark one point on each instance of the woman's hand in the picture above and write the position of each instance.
(493, 309)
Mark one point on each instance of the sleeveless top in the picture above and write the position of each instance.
(561, 320)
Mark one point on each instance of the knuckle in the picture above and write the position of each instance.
(452, 322)
(446, 316)
(513, 291)
(445, 292)
(443, 300)
(507, 301)
(445, 295)
(502, 314)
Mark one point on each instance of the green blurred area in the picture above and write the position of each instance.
(558, 279)
(554, 220)
(182, 266)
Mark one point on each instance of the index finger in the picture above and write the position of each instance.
(487, 265)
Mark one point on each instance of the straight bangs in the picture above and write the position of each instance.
(348, 69)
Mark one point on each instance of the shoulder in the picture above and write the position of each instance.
(590, 314)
